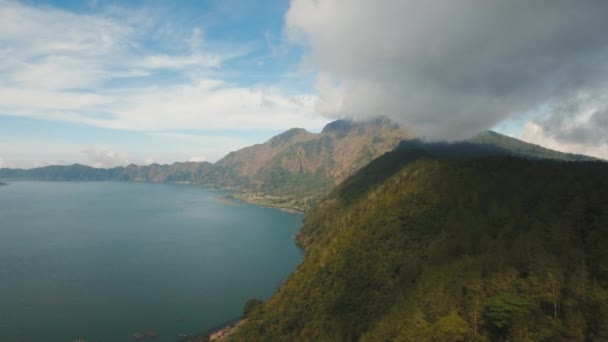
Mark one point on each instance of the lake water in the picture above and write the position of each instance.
(104, 260)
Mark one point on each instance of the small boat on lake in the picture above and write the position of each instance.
(138, 336)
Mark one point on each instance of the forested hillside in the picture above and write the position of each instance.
(423, 245)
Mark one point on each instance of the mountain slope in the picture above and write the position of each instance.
(341, 148)
(192, 172)
(296, 168)
(293, 169)
(422, 245)
(238, 167)
(524, 149)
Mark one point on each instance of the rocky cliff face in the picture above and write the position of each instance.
(307, 162)
(238, 167)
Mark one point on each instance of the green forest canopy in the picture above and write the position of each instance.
(421, 245)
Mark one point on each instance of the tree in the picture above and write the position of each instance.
(554, 284)
(251, 305)
(502, 311)
(474, 293)
(450, 328)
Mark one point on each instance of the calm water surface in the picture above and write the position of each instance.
(105, 260)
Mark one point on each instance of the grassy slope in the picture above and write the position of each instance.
(521, 148)
(423, 249)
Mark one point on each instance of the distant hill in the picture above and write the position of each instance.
(294, 169)
(450, 242)
(177, 172)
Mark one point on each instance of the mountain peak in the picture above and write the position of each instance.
(344, 126)
(339, 126)
(288, 136)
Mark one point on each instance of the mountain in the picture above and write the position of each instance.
(186, 172)
(450, 242)
(238, 167)
(296, 168)
(293, 169)
(524, 149)
(192, 172)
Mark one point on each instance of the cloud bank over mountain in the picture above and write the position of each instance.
(449, 69)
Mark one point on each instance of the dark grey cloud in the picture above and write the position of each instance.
(449, 69)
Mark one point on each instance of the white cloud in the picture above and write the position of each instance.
(31, 102)
(103, 157)
(211, 105)
(99, 70)
(53, 49)
(534, 133)
(180, 62)
(197, 159)
(204, 146)
(32, 152)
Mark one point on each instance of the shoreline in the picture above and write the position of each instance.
(227, 200)
(240, 199)
(228, 197)
(226, 331)
(292, 210)
(218, 333)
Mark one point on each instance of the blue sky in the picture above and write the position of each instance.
(108, 83)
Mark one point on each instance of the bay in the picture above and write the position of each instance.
(102, 260)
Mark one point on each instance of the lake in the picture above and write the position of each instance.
(102, 260)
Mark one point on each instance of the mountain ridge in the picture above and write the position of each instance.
(293, 169)
(422, 244)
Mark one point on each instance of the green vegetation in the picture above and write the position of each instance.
(250, 306)
(421, 245)
(520, 148)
